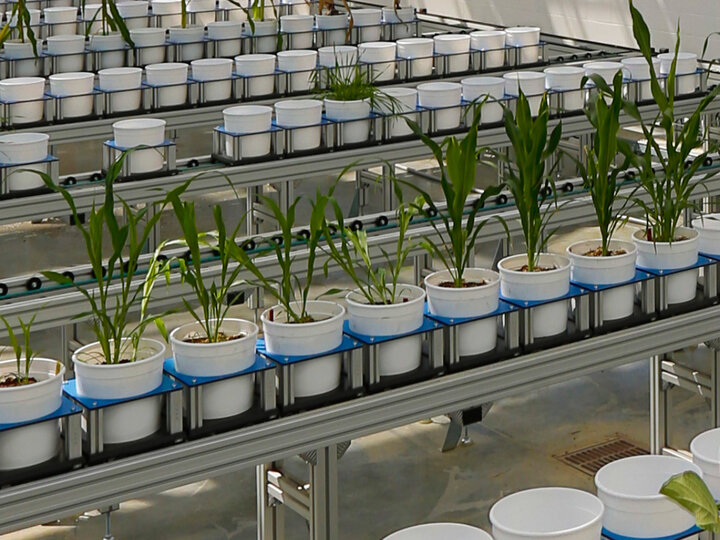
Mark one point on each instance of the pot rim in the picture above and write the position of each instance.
(341, 314)
(452, 37)
(251, 335)
(133, 124)
(522, 29)
(155, 342)
(487, 33)
(625, 243)
(439, 86)
(489, 284)
(17, 81)
(420, 298)
(46, 382)
(298, 104)
(564, 267)
(247, 110)
(693, 236)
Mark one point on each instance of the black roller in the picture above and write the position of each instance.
(630, 174)
(193, 163)
(431, 212)
(560, 59)
(96, 177)
(304, 234)
(162, 258)
(546, 191)
(215, 253)
(332, 228)
(69, 181)
(187, 255)
(278, 239)
(3, 289)
(68, 274)
(249, 245)
(381, 221)
(708, 161)
(568, 187)
(478, 203)
(33, 284)
(356, 225)
(502, 199)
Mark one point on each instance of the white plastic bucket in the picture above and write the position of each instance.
(634, 507)
(419, 53)
(134, 13)
(400, 20)
(606, 70)
(525, 39)
(707, 226)
(218, 70)
(405, 104)
(368, 21)
(191, 39)
(331, 28)
(149, 45)
(18, 51)
(681, 286)
(492, 43)
(638, 69)
(24, 148)
(301, 29)
(548, 513)
(567, 79)
(169, 12)
(254, 65)
(312, 377)
(705, 450)
(441, 95)
(174, 76)
(436, 531)
(456, 48)
(80, 84)
(356, 131)
(265, 34)
(141, 132)
(532, 83)
(474, 88)
(63, 19)
(249, 119)
(381, 56)
(301, 61)
(685, 77)
(26, 93)
(549, 319)
(126, 81)
(336, 56)
(298, 113)
(227, 34)
(112, 47)
(69, 49)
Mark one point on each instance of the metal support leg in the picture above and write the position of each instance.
(270, 515)
(106, 513)
(387, 187)
(658, 407)
(715, 396)
(323, 495)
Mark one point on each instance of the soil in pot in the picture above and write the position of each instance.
(13, 381)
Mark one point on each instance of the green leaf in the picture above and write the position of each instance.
(689, 491)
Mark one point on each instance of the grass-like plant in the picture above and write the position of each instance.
(671, 192)
(212, 296)
(110, 20)
(458, 160)
(21, 15)
(377, 281)
(290, 291)
(528, 175)
(24, 354)
(690, 491)
(601, 177)
(113, 292)
(353, 83)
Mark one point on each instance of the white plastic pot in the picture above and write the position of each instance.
(548, 513)
(266, 35)
(24, 148)
(617, 303)
(476, 337)
(525, 39)
(138, 132)
(26, 93)
(400, 20)
(30, 445)
(301, 29)
(441, 95)
(368, 21)
(685, 77)
(456, 47)
(69, 49)
(331, 28)
(191, 37)
(607, 70)
(174, 76)
(225, 398)
(567, 79)
(134, 13)
(435, 531)
(634, 507)
(254, 65)
(298, 113)
(705, 450)
(475, 88)
(345, 111)
(638, 69)
(26, 64)
(218, 70)
(419, 52)
(492, 42)
(337, 56)
(249, 119)
(127, 421)
(707, 226)
(149, 45)
(80, 84)
(549, 319)
(405, 104)
(169, 12)
(532, 83)
(125, 82)
(204, 10)
(399, 355)
(311, 377)
(62, 18)
(381, 56)
(681, 286)
(91, 12)
(227, 34)
(301, 61)
(113, 47)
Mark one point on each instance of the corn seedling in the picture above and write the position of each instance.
(22, 350)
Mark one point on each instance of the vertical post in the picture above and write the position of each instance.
(387, 187)
(715, 400)
(323, 495)
(270, 516)
(658, 406)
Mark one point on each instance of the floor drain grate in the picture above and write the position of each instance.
(590, 459)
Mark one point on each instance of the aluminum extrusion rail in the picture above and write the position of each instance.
(141, 475)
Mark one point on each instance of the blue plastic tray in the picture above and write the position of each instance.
(348, 344)
(67, 408)
(574, 292)
(261, 364)
(427, 325)
(702, 261)
(503, 307)
(70, 388)
(612, 536)
(640, 276)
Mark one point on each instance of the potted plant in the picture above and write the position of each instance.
(381, 305)
(213, 344)
(191, 36)
(665, 244)
(535, 275)
(460, 290)
(112, 36)
(606, 261)
(399, 17)
(25, 45)
(297, 325)
(690, 491)
(30, 388)
(121, 363)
